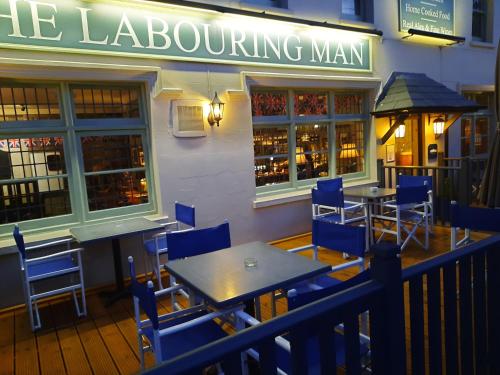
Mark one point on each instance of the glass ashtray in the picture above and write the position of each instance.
(250, 262)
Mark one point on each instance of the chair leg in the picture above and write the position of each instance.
(257, 308)
(82, 287)
(158, 270)
(273, 303)
(453, 238)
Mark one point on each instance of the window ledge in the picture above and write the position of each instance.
(300, 194)
(268, 9)
(480, 44)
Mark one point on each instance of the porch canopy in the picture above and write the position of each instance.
(415, 93)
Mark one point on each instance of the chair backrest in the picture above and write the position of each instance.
(332, 184)
(198, 241)
(407, 180)
(342, 238)
(185, 214)
(411, 194)
(145, 295)
(19, 238)
(328, 198)
(475, 218)
(302, 299)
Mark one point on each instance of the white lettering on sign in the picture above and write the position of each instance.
(105, 28)
(37, 33)
(85, 28)
(161, 33)
(125, 23)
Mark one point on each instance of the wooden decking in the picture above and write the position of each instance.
(105, 341)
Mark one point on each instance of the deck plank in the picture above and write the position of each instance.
(7, 343)
(26, 353)
(49, 350)
(74, 356)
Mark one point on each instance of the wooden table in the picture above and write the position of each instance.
(223, 280)
(370, 197)
(114, 231)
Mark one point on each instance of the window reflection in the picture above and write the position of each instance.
(311, 151)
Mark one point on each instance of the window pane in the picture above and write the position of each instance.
(481, 136)
(270, 103)
(466, 136)
(98, 102)
(351, 7)
(271, 171)
(110, 154)
(103, 153)
(111, 190)
(29, 103)
(479, 25)
(307, 104)
(311, 153)
(31, 188)
(350, 147)
(348, 104)
(270, 141)
(271, 155)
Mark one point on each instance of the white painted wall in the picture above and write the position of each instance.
(215, 173)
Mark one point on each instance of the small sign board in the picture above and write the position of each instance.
(435, 16)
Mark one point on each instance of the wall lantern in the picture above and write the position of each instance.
(216, 111)
(400, 130)
(438, 126)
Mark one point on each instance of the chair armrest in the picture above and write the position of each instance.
(197, 321)
(169, 290)
(301, 248)
(250, 320)
(175, 314)
(48, 244)
(55, 255)
(354, 205)
(350, 264)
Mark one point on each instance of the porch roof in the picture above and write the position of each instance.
(417, 93)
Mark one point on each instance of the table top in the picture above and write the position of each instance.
(222, 278)
(366, 192)
(114, 229)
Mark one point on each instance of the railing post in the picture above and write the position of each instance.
(381, 173)
(386, 269)
(465, 182)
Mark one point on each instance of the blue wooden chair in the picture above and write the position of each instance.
(328, 203)
(296, 300)
(471, 218)
(174, 333)
(333, 237)
(408, 180)
(156, 245)
(405, 214)
(55, 264)
(195, 242)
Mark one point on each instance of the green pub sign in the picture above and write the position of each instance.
(435, 16)
(163, 32)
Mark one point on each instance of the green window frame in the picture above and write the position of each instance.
(279, 129)
(116, 128)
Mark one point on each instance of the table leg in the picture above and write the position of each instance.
(117, 260)
(370, 210)
(120, 291)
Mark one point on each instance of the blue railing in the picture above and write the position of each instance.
(467, 305)
(462, 290)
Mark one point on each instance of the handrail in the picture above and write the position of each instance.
(450, 257)
(244, 340)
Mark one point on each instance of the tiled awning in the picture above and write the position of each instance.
(417, 93)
